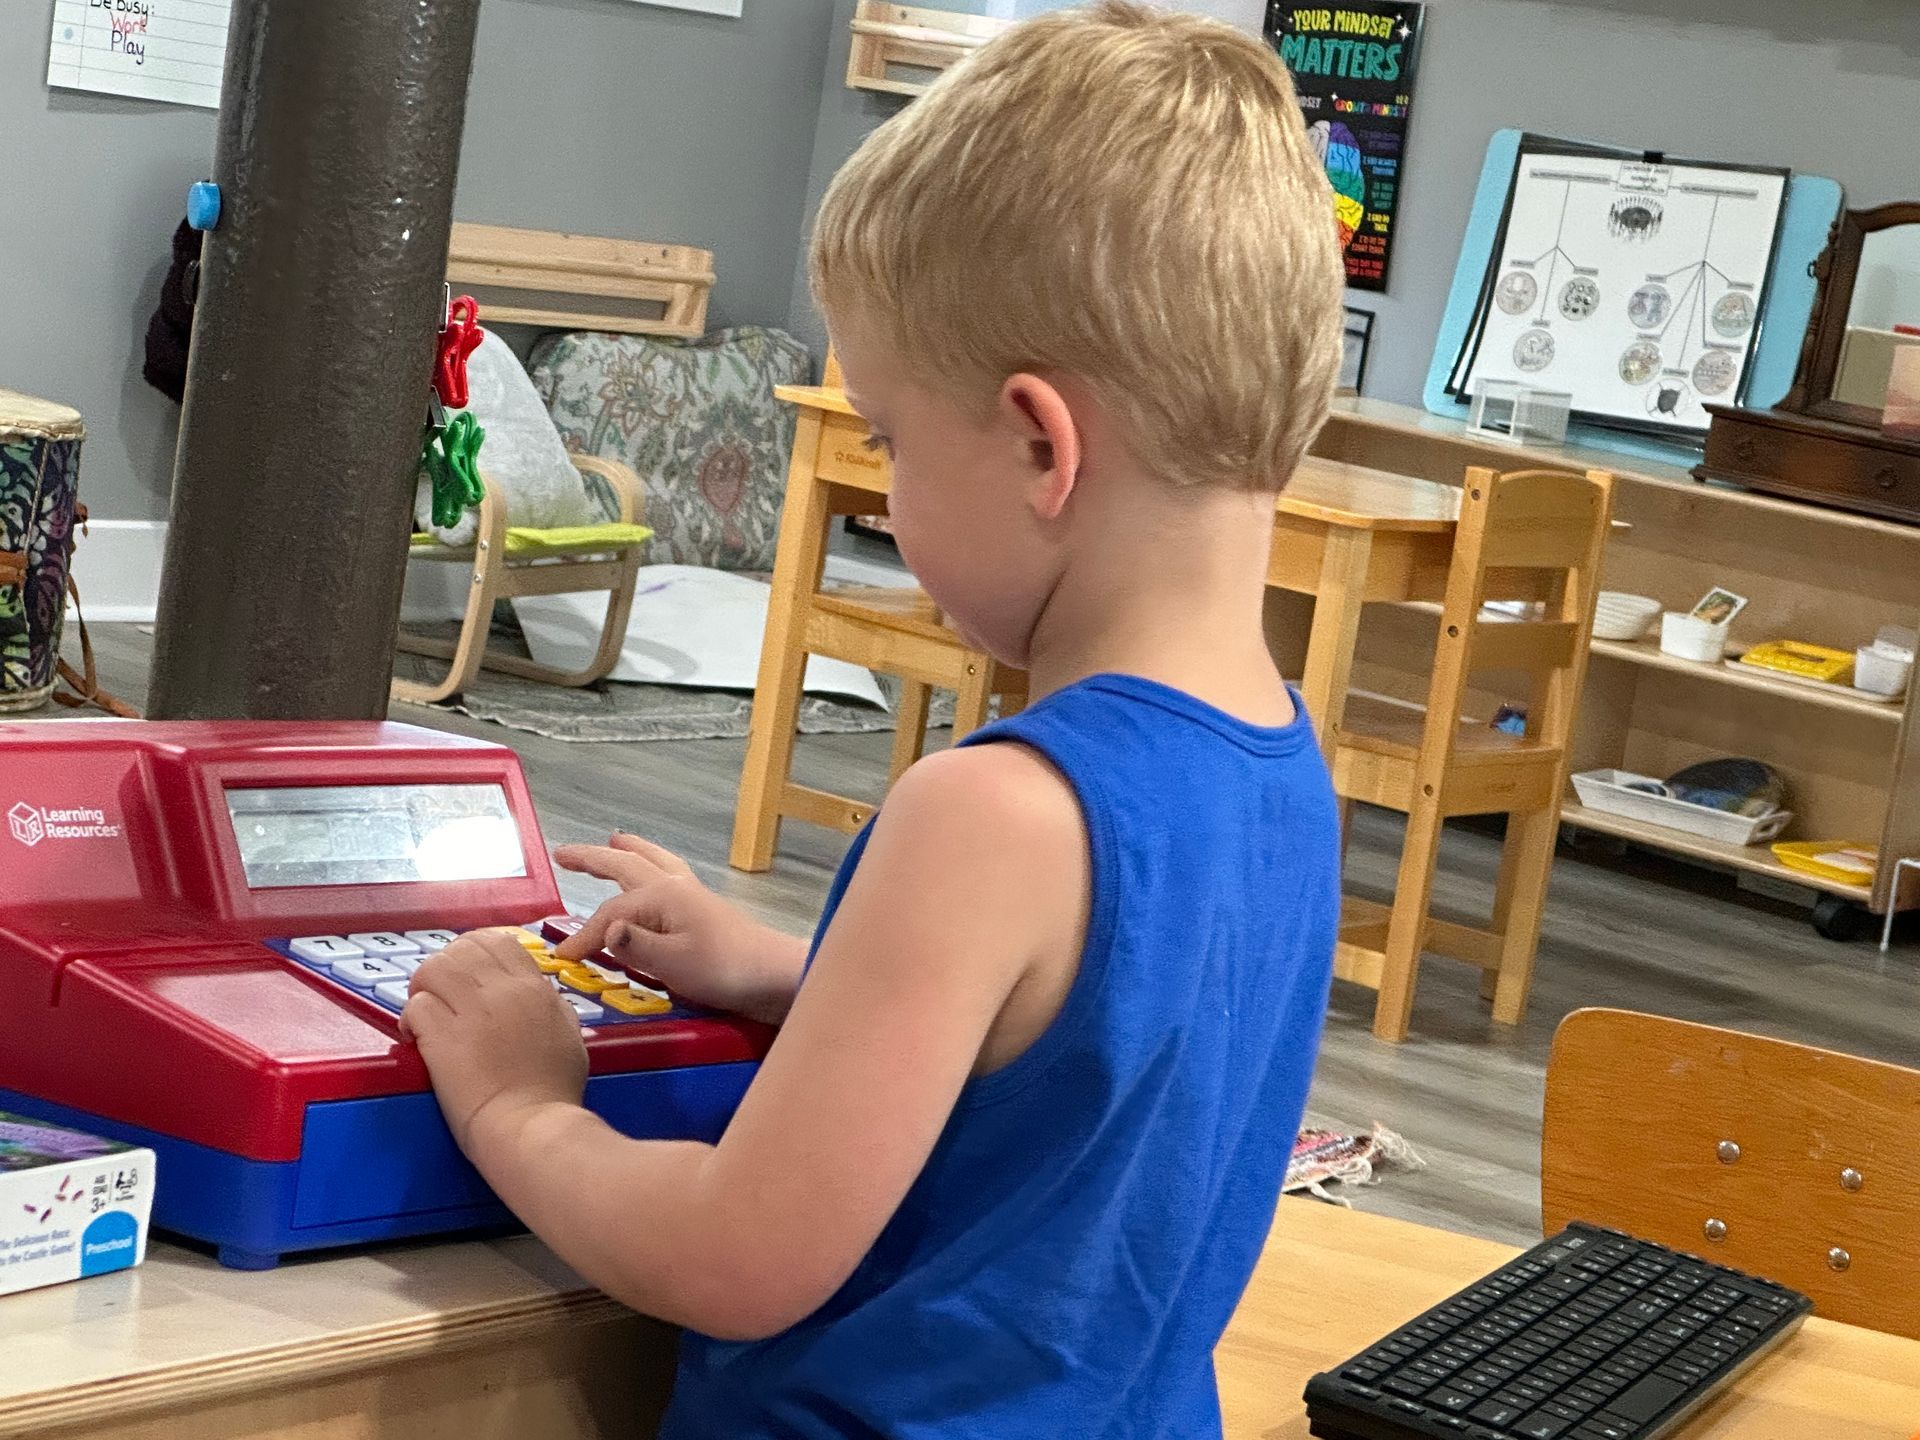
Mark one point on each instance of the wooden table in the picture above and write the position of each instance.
(1344, 534)
(1332, 1281)
(478, 1340)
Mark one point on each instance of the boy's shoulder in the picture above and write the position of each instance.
(1004, 797)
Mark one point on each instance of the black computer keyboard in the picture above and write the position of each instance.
(1591, 1335)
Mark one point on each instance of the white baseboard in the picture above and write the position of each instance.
(116, 567)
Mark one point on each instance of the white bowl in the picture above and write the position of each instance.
(1620, 616)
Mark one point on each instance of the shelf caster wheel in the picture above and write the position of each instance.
(1841, 920)
(1593, 843)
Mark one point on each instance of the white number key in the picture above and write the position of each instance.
(323, 950)
(432, 941)
(383, 943)
(583, 1007)
(364, 974)
(392, 993)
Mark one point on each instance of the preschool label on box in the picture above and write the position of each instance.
(1353, 66)
(71, 1205)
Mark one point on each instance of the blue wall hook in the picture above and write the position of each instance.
(203, 205)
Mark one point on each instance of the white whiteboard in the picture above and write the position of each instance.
(1636, 287)
(172, 50)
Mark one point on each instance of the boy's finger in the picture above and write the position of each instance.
(422, 1016)
(603, 862)
(636, 946)
(658, 855)
(592, 935)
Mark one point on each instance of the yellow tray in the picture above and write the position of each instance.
(1845, 862)
(1801, 661)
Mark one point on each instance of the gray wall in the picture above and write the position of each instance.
(1830, 88)
(592, 115)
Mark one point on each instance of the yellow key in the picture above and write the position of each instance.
(529, 941)
(630, 1002)
(582, 980)
(549, 963)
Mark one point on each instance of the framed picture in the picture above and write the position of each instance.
(1355, 346)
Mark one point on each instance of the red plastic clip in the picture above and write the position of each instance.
(451, 349)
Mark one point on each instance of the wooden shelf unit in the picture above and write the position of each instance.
(1852, 765)
(540, 277)
(902, 49)
(1757, 859)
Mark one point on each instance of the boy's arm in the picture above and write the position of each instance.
(976, 877)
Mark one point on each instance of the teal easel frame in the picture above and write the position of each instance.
(1813, 204)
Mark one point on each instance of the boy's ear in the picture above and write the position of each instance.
(1045, 424)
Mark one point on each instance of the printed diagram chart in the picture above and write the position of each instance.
(1634, 286)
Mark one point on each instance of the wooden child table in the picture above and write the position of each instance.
(1344, 534)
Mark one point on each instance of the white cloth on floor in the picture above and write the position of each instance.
(690, 626)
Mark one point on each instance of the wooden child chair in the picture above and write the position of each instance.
(1791, 1162)
(508, 562)
(897, 630)
(1533, 536)
(553, 280)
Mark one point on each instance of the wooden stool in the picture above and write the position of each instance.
(895, 630)
(1804, 1157)
(1533, 536)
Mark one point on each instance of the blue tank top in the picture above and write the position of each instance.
(1086, 1223)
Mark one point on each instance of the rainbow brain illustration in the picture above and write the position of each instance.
(1340, 153)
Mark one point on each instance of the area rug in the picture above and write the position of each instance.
(611, 711)
(1328, 1157)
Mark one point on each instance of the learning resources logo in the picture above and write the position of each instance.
(32, 824)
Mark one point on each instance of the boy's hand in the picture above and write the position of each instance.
(495, 1036)
(666, 924)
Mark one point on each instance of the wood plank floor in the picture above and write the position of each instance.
(1640, 933)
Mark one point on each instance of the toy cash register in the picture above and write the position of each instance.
(205, 936)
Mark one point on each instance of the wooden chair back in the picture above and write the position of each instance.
(1534, 536)
(1798, 1164)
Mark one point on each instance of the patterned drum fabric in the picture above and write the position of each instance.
(39, 497)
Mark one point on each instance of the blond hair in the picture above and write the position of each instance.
(1118, 194)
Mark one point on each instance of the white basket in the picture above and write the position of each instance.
(1608, 791)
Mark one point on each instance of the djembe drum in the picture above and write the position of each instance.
(39, 507)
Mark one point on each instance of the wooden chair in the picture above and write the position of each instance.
(1533, 536)
(572, 282)
(897, 630)
(1787, 1161)
(508, 562)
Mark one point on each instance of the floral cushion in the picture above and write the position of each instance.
(697, 421)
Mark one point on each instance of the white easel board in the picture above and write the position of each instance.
(1633, 283)
(171, 50)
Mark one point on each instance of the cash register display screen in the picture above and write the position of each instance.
(375, 835)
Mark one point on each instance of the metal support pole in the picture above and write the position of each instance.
(320, 295)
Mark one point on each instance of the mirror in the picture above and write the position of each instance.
(1867, 313)
(1883, 318)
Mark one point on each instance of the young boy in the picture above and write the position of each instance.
(1008, 1167)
